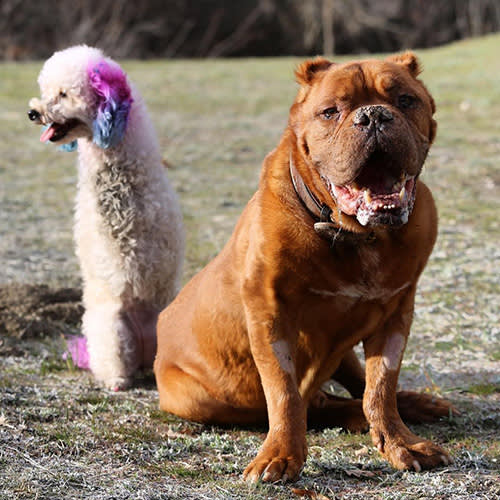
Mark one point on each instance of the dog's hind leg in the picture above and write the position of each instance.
(183, 395)
(140, 323)
(413, 407)
(351, 374)
(326, 410)
(418, 408)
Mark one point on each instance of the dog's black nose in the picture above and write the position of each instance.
(376, 115)
(33, 115)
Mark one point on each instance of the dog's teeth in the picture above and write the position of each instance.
(368, 196)
(402, 193)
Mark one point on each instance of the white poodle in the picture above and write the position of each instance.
(128, 230)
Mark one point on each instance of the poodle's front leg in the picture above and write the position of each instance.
(111, 344)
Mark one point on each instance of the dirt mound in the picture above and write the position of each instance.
(33, 310)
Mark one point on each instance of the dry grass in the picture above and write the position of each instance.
(62, 437)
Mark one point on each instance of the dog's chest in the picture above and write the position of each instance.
(118, 204)
(353, 292)
(368, 274)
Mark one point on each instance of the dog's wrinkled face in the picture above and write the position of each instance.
(83, 94)
(366, 129)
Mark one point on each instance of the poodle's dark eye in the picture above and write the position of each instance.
(329, 113)
(62, 94)
(406, 101)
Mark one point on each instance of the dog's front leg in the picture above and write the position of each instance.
(111, 343)
(284, 450)
(384, 352)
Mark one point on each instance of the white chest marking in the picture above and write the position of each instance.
(393, 351)
(361, 292)
(281, 350)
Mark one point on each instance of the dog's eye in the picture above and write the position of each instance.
(406, 101)
(329, 113)
(62, 94)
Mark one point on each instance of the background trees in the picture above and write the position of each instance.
(222, 28)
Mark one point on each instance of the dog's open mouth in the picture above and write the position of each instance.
(382, 201)
(58, 131)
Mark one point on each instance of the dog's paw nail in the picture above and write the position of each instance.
(267, 477)
(250, 478)
(416, 466)
(254, 478)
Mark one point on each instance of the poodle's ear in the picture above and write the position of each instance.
(109, 83)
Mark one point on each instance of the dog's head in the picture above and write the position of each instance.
(365, 128)
(83, 94)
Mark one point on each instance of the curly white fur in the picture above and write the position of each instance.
(128, 231)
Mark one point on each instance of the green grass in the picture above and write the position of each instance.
(484, 389)
(62, 437)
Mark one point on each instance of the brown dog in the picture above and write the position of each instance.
(326, 254)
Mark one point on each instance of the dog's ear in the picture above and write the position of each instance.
(308, 70)
(109, 83)
(409, 61)
(433, 130)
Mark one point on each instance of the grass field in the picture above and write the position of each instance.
(63, 437)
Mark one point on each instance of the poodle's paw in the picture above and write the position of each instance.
(117, 384)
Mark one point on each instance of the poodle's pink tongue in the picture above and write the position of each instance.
(47, 134)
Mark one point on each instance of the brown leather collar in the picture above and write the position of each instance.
(321, 213)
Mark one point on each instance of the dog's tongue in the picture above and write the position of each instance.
(47, 134)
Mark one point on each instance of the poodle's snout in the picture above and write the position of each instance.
(33, 115)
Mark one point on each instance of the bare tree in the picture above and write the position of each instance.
(243, 32)
(216, 28)
(327, 18)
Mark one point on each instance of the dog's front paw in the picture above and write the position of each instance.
(277, 460)
(117, 383)
(406, 451)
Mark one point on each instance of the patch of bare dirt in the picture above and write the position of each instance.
(28, 311)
